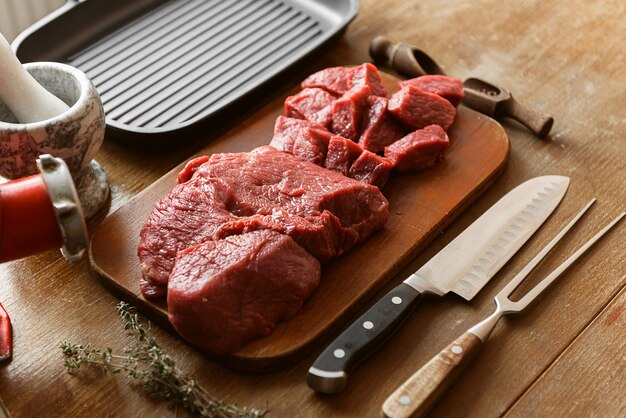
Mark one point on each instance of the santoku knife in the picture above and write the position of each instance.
(463, 267)
(422, 390)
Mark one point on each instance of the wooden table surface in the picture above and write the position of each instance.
(563, 357)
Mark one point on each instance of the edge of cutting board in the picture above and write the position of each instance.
(421, 206)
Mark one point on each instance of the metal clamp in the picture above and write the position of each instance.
(67, 208)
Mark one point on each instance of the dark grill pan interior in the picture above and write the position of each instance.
(188, 57)
(161, 66)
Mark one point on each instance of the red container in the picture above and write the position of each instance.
(42, 212)
(28, 224)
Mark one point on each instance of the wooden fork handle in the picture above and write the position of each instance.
(420, 392)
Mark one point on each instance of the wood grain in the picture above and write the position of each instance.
(420, 205)
(589, 376)
(562, 57)
(418, 394)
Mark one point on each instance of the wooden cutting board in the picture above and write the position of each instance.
(421, 206)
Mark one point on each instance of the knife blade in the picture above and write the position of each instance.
(420, 392)
(463, 267)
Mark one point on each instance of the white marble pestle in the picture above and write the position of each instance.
(21, 93)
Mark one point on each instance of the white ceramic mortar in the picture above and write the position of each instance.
(75, 135)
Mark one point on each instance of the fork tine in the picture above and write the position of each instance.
(509, 288)
(566, 264)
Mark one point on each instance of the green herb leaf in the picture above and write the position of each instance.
(145, 361)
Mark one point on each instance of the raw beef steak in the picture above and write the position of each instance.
(230, 194)
(378, 128)
(190, 214)
(335, 80)
(449, 88)
(416, 108)
(227, 292)
(266, 178)
(419, 150)
(312, 104)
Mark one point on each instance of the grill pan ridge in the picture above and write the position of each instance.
(169, 66)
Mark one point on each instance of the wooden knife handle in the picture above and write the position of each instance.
(419, 393)
(329, 372)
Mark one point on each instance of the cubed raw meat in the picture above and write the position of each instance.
(335, 80)
(449, 88)
(378, 128)
(312, 145)
(416, 108)
(312, 104)
(286, 132)
(192, 165)
(419, 150)
(341, 154)
(347, 110)
(371, 169)
(367, 75)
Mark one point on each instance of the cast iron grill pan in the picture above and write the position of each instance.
(169, 66)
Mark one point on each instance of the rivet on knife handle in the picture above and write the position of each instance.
(415, 397)
(417, 394)
(329, 373)
(463, 267)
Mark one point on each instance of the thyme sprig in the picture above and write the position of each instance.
(144, 360)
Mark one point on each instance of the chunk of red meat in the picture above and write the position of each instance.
(286, 132)
(227, 292)
(347, 110)
(190, 168)
(449, 88)
(312, 145)
(267, 178)
(190, 214)
(416, 108)
(335, 80)
(341, 154)
(378, 128)
(367, 75)
(230, 194)
(322, 235)
(371, 169)
(312, 104)
(419, 150)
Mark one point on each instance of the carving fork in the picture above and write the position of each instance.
(417, 394)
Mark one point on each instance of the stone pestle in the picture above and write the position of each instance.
(21, 93)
